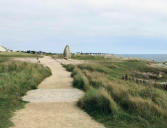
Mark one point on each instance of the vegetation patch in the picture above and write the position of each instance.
(17, 54)
(16, 78)
(118, 102)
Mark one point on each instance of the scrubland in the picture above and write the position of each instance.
(122, 93)
(16, 78)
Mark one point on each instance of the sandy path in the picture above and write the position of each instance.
(53, 105)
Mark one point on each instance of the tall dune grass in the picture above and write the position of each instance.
(16, 78)
(119, 103)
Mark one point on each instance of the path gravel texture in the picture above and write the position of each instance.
(53, 104)
(53, 95)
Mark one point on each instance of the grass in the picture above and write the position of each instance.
(8, 55)
(16, 78)
(122, 103)
(58, 56)
(87, 57)
(16, 54)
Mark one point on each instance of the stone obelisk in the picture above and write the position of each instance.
(67, 54)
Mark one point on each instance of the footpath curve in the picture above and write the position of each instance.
(53, 104)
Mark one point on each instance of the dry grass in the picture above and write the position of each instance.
(17, 54)
(16, 79)
(111, 100)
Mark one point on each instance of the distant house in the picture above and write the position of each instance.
(3, 49)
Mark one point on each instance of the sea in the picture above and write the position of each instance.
(151, 57)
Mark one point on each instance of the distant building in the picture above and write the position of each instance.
(3, 49)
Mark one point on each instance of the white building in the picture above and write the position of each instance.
(3, 49)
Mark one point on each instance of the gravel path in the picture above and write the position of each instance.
(53, 105)
(53, 95)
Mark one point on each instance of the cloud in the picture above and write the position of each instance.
(31, 20)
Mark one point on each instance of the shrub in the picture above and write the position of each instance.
(98, 101)
(69, 67)
(80, 81)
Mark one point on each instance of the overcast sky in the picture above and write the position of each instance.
(110, 26)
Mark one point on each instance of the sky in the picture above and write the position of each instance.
(108, 26)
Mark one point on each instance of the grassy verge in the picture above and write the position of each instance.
(87, 57)
(4, 56)
(17, 54)
(16, 78)
(122, 94)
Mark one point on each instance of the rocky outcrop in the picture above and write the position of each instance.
(67, 53)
